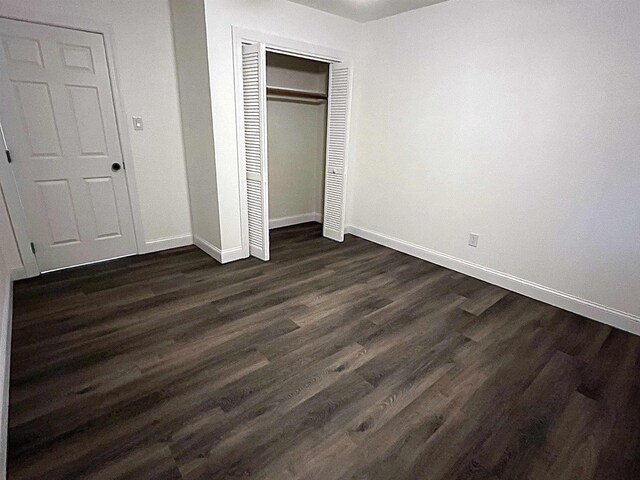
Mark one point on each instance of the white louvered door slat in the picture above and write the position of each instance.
(337, 142)
(255, 139)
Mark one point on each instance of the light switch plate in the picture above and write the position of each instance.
(137, 123)
(473, 239)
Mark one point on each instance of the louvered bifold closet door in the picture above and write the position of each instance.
(255, 139)
(337, 144)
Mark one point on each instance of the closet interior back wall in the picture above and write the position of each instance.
(296, 131)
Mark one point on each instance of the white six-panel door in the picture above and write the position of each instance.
(254, 89)
(58, 115)
(337, 142)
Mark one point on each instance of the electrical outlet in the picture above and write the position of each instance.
(137, 123)
(473, 239)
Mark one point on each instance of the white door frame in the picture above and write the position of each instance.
(274, 44)
(7, 179)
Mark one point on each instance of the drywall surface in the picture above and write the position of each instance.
(5, 326)
(518, 121)
(296, 138)
(190, 43)
(144, 54)
(275, 17)
(367, 10)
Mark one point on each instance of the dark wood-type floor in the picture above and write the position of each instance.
(332, 361)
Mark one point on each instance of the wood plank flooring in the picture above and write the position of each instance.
(332, 361)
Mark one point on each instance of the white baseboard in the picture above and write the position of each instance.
(233, 254)
(208, 248)
(295, 220)
(601, 313)
(150, 247)
(167, 242)
(222, 256)
(6, 310)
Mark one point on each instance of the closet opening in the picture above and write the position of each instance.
(293, 111)
(297, 92)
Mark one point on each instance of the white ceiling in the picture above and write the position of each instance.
(366, 10)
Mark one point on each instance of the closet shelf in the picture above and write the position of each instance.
(295, 93)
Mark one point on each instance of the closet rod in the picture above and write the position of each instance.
(286, 92)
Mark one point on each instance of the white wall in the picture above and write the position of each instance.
(296, 139)
(5, 321)
(277, 17)
(147, 79)
(190, 43)
(519, 121)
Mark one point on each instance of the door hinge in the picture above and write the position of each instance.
(8, 155)
(33, 248)
(124, 165)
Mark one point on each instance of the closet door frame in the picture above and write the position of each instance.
(275, 44)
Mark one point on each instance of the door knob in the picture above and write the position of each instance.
(115, 167)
